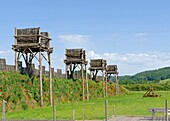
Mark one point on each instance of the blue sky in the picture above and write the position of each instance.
(134, 34)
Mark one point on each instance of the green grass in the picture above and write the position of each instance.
(132, 104)
(164, 81)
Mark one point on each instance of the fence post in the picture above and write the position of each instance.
(106, 109)
(73, 115)
(83, 114)
(117, 85)
(54, 113)
(114, 111)
(3, 110)
(166, 110)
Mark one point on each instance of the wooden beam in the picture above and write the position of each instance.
(106, 84)
(3, 110)
(96, 68)
(66, 71)
(40, 64)
(45, 57)
(87, 83)
(106, 110)
(19, 55)
(82, 78)
(50, 78)
(40, 69)
(103, 84)
(34, 55)
(117, 85)
(35, 35)
(16, 53)
(54, 110)
(91, 74)
(166, 110)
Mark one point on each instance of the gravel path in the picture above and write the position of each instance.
(124, 118)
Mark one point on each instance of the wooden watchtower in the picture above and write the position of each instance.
(112, 70)
(97, 65)
(74, 59)
(30, 42)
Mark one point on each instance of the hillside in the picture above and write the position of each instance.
(151, 75)
(22, 92)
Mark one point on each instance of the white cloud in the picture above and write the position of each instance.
(140, 36)
(93, 55)
(73, 38)
(3, 52)
(132, 63)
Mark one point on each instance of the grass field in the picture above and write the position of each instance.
(132, 104)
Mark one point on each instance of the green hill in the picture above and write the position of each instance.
(22, 92)
(151, 75)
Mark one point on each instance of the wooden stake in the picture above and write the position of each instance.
(117, 85)
(16, 53)
(66, 71)
(166, 110)
(40, 69)
(106, 84)
(91, 74)
(50, 78)
(114, 111)
(54, 113)
(106, 110)
(82, 76)
(3, 110)
(87, 85)
(73, 115)
(83, 114)
(103, 84)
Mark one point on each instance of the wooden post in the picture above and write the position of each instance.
(106, 109)
(91, 74)
(54, 113)
(166, 110)
(153, 115)
(16, 53)
(82, 77)
(3, 110)
(103, 84)
(77, 75)
(16, 61)
(117, 85)
(106, 84)
(73, 115)
(83, 114)
(40, 70)
(114, 111)
(87, 85)
(66, 71)
(50, 78)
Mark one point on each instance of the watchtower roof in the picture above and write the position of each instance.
(111, 69)
(33, 39)
(75, 56)
(97, 64)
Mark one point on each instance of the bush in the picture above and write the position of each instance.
(24, 105)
